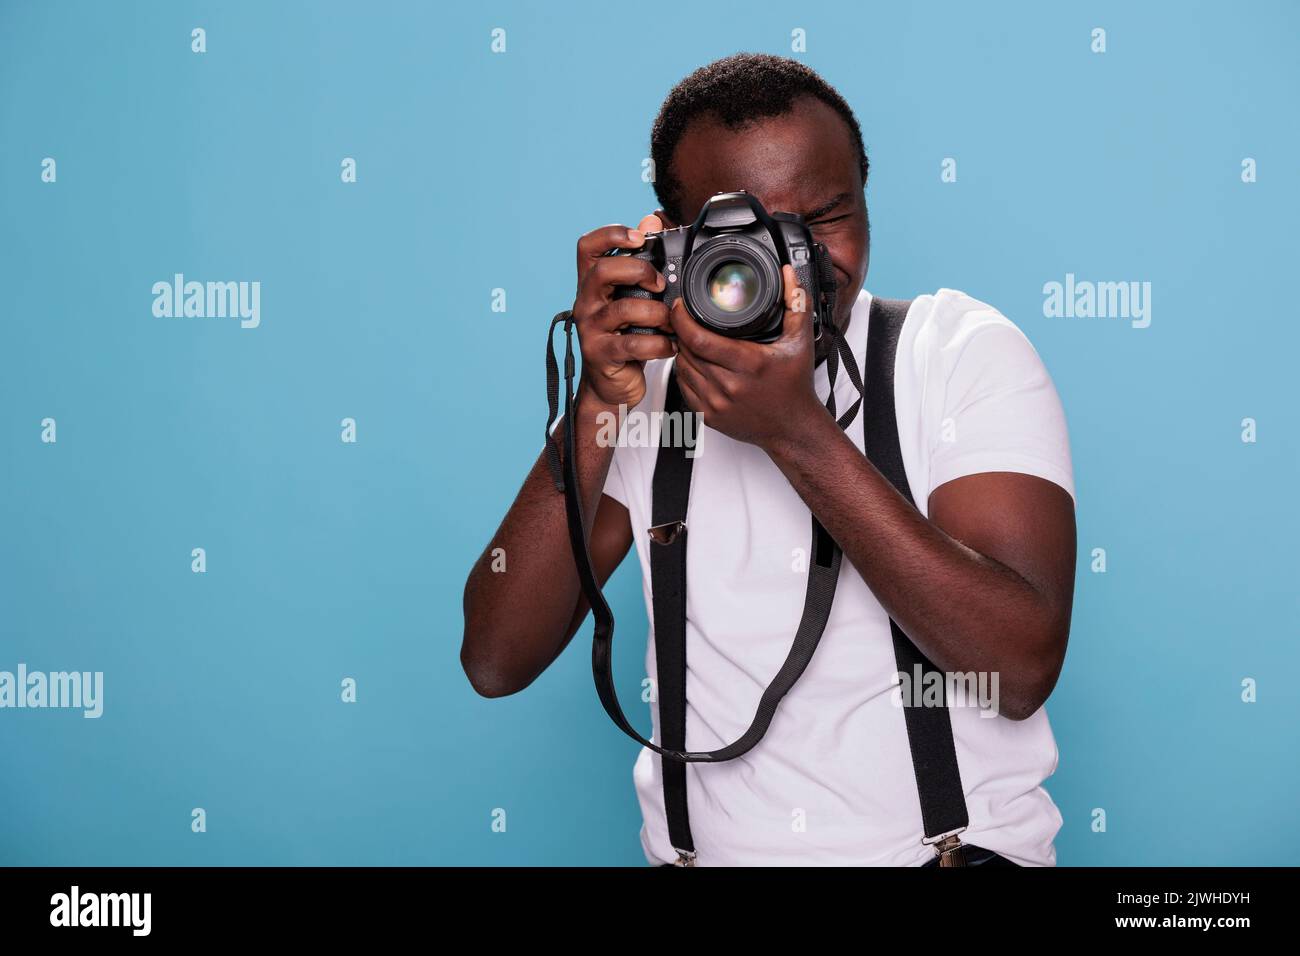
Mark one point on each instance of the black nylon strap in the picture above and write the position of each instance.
(553, 397)
(929, 729)
(821, 588)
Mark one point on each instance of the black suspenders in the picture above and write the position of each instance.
(929, 729)
(672, 486)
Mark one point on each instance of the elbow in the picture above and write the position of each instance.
(491, 687)
(482, 668)
(485, 675)
(1036, 680)
(1023, 701)
(1023, 706)
(487, 679)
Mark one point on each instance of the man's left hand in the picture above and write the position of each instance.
(752, 392)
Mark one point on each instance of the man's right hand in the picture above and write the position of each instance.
(612, 363)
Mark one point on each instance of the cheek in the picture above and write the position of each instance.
(848, 253)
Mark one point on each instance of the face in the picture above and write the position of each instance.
(804, 162)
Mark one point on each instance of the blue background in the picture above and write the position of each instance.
(477, 171)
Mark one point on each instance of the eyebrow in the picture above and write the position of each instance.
(825, 207)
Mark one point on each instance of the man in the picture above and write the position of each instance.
(979, 575)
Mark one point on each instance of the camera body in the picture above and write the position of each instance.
(727, 267)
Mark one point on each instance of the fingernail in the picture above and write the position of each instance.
(635, 235)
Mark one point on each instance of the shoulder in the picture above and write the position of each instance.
(944, 324)
(955, 342)
(975, 396)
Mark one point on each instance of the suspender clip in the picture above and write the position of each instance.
(685, 858)
(666, 533)
(951, 851)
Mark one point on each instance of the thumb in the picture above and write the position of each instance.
(798, 321)
(650, 223)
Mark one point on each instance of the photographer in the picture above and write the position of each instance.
(979, 574)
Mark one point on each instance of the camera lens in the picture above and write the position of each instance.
(733, 286)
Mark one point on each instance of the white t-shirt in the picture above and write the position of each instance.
(832, 781)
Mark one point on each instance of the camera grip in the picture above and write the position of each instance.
(636, 292)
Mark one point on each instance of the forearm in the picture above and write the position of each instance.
(963, 610)
(523, 599)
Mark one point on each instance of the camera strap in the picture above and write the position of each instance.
(669, 541)
(929, 729)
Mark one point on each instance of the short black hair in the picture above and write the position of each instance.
(737, 90)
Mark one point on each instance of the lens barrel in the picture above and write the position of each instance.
(732, 284)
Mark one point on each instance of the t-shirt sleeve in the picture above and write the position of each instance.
(1001, 411)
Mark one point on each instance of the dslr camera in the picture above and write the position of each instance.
(727, 267)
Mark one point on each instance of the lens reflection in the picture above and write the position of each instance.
(733, 286)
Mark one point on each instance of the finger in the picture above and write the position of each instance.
(596, 243)
(639, 348)
(713, 379)
(795, 301)
(610, 272)
(689, 382)
(643, 313)
(692, 401)
(797, 320)
(650, 223)
(709, 346)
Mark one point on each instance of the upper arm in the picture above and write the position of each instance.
(1000, 474)
(1021, 521)
(611, 537)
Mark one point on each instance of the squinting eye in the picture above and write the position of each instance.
(827, 222)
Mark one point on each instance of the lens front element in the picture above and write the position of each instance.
(733, 286)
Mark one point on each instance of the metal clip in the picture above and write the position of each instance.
(685, 858)
(951, 851)
(666, 533)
